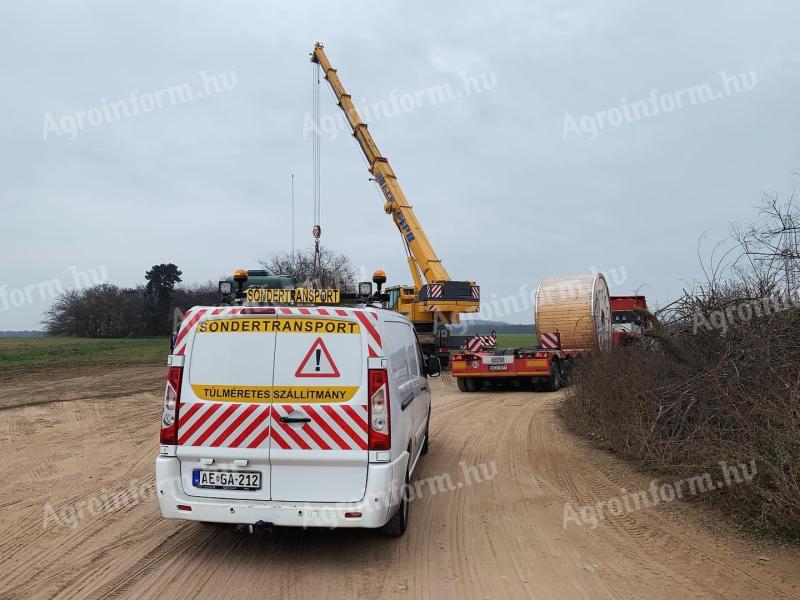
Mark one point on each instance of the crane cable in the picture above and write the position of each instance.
(317, 230)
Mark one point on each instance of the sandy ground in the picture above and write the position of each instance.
(70, 437)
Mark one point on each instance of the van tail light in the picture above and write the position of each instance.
(380, 425)
(169, 416)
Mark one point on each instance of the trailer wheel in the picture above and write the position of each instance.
(566, 372)
(554, 381)
(462, 384)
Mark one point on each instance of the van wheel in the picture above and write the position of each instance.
(424, 449)
(462, 384)
(554, 381)
(398, 524)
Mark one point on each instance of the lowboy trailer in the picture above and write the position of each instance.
(543, 368)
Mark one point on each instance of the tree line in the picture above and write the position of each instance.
(108, 310)
(155, 307)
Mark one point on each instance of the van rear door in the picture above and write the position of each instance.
(224, 416)
(318, 444)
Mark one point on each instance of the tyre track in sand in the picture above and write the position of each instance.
(501, 537)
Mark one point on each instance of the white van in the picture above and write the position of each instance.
(312, 417)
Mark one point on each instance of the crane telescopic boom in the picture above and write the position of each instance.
(439, 300)
(397, 205)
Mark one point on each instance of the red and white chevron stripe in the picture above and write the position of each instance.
(550, 341)
(252, 425)
(476, 343)
(435, 290)
(476, 292)
(368, 319)
(193, 316)
(332, 427)
(224, 425)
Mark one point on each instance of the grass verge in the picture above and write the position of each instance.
(66, 351)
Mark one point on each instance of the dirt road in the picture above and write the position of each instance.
(71, 442)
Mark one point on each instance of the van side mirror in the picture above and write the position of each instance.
(434, 368)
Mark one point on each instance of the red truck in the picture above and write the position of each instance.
(626, 325)
(544, 366)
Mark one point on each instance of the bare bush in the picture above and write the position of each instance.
(185, 297)
(734, 396)
(336, 270)
(100, 311)
(108, 311)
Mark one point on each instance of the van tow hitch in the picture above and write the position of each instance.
(256, 528)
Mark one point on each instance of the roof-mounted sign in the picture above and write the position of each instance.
(292, 296)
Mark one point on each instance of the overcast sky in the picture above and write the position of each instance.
(563, 161)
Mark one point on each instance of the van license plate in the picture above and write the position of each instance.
(498, 367)
(226, 480)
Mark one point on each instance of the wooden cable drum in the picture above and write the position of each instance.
(578, 307)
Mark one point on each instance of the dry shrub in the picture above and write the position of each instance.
(732, 390)
(737, 401)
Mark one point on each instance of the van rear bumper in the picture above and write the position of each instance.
(380, 501)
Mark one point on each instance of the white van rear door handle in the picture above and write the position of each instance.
(295, 419)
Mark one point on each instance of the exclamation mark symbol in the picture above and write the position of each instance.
(319, 356)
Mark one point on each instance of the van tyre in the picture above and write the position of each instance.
(424, 449)
(398, 524)
(554, 381)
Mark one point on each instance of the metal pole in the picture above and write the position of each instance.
(292, 214)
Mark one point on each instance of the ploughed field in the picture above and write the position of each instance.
(79, 517)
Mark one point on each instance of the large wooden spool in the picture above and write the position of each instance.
(578, 307)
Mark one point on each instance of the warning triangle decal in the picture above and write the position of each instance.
(317, 362)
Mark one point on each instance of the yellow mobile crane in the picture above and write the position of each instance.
(440, 295)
